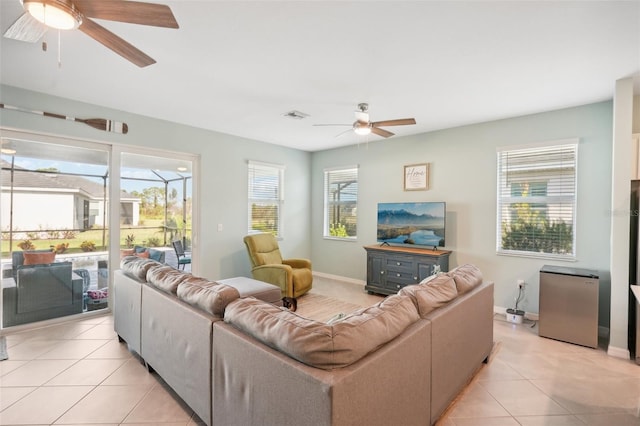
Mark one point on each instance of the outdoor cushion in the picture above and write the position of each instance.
(147, 252)
(38, 258)
(142, 254)
(321, 345)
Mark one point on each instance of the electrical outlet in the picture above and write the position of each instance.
(520, 284)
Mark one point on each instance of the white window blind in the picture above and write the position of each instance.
(537, 199)
(266, 197)
(341, 202)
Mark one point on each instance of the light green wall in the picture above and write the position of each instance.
(463, 174)
(224, 172)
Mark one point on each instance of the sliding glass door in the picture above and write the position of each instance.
(156, 201)
(54, 227)
(56, 214)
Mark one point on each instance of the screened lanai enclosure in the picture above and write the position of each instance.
(56, 230)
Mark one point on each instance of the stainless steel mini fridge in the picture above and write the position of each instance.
(569, 305)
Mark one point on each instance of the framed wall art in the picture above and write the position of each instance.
(416, 177)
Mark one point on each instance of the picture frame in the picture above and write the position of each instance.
(416, 177)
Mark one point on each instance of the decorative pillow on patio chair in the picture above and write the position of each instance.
(293, 276)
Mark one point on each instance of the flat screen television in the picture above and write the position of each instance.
(420, 224)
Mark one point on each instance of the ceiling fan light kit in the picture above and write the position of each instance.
(361, 128)
(58, 14)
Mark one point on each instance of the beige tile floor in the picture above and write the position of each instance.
(76, 373)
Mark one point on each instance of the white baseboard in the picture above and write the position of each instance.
(618, 352)
(602, 331)
(340, 278)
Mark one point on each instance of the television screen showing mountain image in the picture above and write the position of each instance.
(421, 224)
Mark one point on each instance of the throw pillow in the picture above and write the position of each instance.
(143, 254)
(155, 255)
(126, 252)
(38, 258)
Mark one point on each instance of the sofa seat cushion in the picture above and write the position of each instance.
(137, 267)
(209, 296)
(435, 293)
(320, 345)
(167, 278)
(466, 276)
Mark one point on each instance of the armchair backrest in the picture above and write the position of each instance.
(44, 286)
(17, 259)
(263, 249)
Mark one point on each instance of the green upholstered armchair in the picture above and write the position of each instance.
(293, 276)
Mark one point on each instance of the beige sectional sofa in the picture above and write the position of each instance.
(243, 361)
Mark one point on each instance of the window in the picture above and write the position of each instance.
(537, 199)
(265, 197)
(341, 202)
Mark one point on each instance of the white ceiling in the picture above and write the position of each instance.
(238, 66)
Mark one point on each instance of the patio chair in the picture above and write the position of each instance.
(183, 259)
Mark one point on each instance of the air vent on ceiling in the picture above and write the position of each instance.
(296, 115)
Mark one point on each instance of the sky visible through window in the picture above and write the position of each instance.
(93, 172)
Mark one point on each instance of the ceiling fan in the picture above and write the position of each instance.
(71, 14)
(362, 125)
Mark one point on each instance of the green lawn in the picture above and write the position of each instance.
(141, 235)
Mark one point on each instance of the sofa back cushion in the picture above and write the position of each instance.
(436, 292)
(321, 345)
(167, 279)
(137, 267)
(211, 297)
(466, 276)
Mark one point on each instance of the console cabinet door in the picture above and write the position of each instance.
(375, 271)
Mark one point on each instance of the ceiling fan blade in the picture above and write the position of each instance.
(115, 43)
(398, 122)
(381, 132)
(132, 12)
(26, 28)
(343, 133)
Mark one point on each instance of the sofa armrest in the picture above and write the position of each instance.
(461, 338)
(280, 275)
(297, 263)
(255, 384)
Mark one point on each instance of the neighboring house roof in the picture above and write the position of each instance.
(23, 179)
